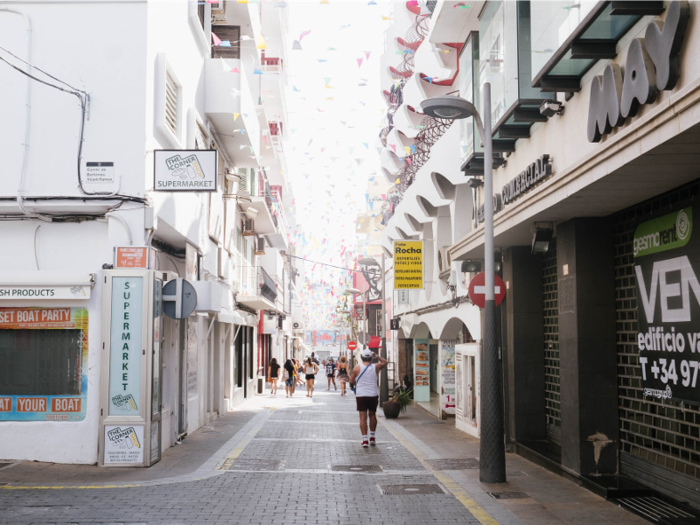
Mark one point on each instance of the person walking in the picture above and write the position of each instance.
(298, 376)
(273, 375)
(330, 373)
(343, 376)
(364, 380)
(310, 369)
(289, 377)
(314, 358)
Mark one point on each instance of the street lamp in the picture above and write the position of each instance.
(384, 382)
(492, 454)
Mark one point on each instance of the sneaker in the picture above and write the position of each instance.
(372, 442)
(365, 444)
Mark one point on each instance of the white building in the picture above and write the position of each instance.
(96, 88)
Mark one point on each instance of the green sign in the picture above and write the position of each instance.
(664, 233)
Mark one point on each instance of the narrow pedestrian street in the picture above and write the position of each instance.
(299, 460)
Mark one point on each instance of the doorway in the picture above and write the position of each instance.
(434, 386)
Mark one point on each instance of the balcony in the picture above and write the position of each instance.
(257, 290)
(229, 104)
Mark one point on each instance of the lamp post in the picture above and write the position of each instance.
(492, 464)
(384, 381)
(353, 292)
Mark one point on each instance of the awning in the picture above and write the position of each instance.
(227, 316)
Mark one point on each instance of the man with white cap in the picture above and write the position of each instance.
(364, 380)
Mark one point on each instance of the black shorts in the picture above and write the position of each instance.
(310, 376)
(367, 404)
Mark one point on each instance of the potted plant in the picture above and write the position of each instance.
(397, 404)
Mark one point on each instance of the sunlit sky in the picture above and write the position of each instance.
(335, 112)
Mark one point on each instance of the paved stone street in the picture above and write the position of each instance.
(295, 461)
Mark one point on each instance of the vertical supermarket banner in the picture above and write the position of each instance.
(408, 265)
(447, 371)
(43, 370)
(666, 262)
(421, 370)
(125, 346)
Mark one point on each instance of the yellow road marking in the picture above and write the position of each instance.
(455, 488)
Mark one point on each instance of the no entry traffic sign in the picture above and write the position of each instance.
(352, 345)
(477, 290)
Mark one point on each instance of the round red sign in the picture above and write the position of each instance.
(352, 345)
(477, 290)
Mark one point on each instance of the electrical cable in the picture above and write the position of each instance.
(326, 264)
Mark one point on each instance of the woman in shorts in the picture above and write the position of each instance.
(310, 369)
(343, 375)
(289, 377)
(273, 375)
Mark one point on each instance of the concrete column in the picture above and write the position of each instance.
(524, 304)
(587, 346)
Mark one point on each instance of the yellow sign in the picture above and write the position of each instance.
(408, 265)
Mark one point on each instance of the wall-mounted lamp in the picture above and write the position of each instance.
(542, 234)
(475, 182)
(549, 108)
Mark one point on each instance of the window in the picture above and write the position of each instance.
(168, 113)
(41, 362)
(171, 102)
(230, 35)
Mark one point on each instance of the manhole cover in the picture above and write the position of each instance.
(407, 490)
(453, 464)
(509, 495)
(356, 468)
(252, 464)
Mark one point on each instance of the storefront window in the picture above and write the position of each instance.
(551, 23)
(40, 362)
(43, 364)
(469, 90)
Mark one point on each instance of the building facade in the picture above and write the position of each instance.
(595, 115)
(92, 348)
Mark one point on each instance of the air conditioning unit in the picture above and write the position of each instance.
(260, 246)
(248, 227)
(297, 325)
(444, 261)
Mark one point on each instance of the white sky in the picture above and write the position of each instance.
(332, 147)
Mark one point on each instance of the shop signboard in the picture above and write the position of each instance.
(134, 257)
(24, 292)
(123, 444)
(447, 371)
(666, 264)
(421, 370)
(125, 346)
(408, 265)
(185, 170)
(48, 335)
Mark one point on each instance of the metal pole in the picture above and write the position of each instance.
(364, 321)
(492, 454)
(384, 375)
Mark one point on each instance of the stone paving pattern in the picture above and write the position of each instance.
(303, 438)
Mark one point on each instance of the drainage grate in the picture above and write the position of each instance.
(655, 509)
(409, 490)
(509, 495)
(453, 464)
(356, 468)
(252, 464)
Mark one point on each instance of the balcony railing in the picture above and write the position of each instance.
(255, 281)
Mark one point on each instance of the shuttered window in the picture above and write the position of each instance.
(172, 102)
